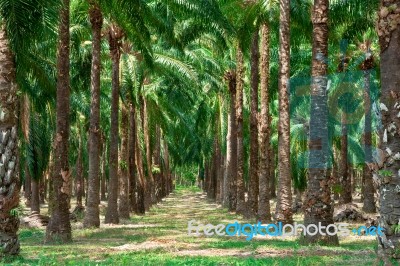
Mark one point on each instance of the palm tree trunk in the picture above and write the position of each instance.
(114, 36)
(103, 172)
(141, 185)
(157, 163)
(240, 205)
(151, 189)
(92, 215)
(253, 169)
(59, 227)
(272, 167)
(131, 165)
(9, 196)
(264, 209)
(27, 186)
(368, 186)
(123, 177)
(318, 205)
(167, 169)
(345, 196)
(35, 202)
(42, 194)
(25, 121)
(79, 176)
(231, 150)
(284, 201)
(389, 197)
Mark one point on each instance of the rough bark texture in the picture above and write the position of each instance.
(42, 194)
(114, 39)
(157, 163)
(150, 195)
(345, 196)
(141, 185)
(27, 186)
(9, 196)
(389, 163)
(167, 168)
(335, 178)
(123, 205)
(272, 166)
(241, 204)
(35, 201)
(79, 177)
(318, 205)
(264, 209)
(92, 215)
(59, 227)
(217, 170)
(231, 150)
(131, 165)
(253, 169)
(103, 172)
(368, 186)
(284, 201)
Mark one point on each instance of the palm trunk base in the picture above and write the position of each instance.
(9, 242)
(59, 228)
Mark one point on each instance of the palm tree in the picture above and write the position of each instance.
(284, 201)
(318, 205)
(92, 218)
(389, 33)
(59, 227)
(114, 39)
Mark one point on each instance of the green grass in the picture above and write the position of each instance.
(160, 238)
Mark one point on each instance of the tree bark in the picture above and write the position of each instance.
(367, 183)
(9, 197)
(156, 160)
(318, 204)
(103, 172)
(253, 169)
(167, 169)
(92, 215)
(284, 201)
(131, 166)
(27, 186)
(59, 227)
(114, 39)
(264, 209)
(272, 166)
(35, 203)
(231, 151)
(79, 176)
(241, 204)
(25, 121)
(345, 196)
(388, 176)
(141, 185)
(150, 189)
(123, 177)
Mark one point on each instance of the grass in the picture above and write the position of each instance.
(160, 238)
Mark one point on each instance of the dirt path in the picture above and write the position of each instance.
(163, 231)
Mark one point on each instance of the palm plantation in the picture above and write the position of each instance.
(121, 121)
